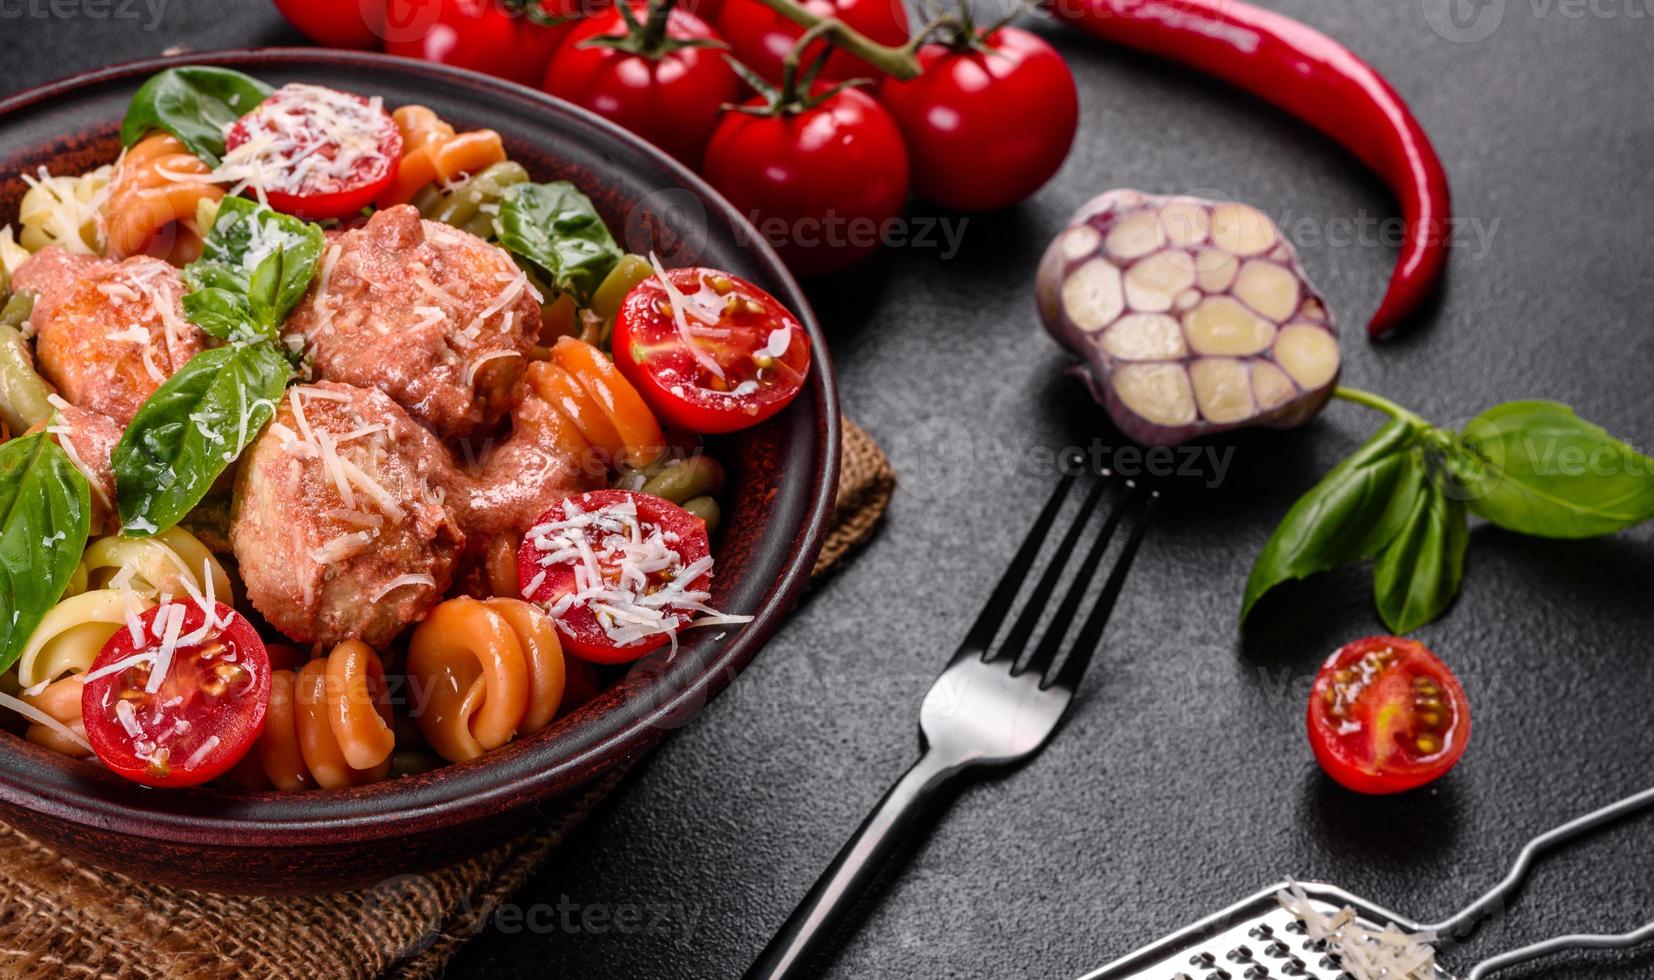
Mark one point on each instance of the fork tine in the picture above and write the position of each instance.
(1091, 634)
(1056, 634)
(1017, 639)
(993, 614)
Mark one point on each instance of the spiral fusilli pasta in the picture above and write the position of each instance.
(328, 725)
(481, 673)
(172, 563)
(432, 151)
(589, 390)
(471, 204)
(63, 211)
(70, 636)
(61, 701)
(158, 189)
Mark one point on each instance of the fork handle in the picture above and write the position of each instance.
(835, 893)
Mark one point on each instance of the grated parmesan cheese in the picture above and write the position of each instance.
(412, 578)
(1365, 953)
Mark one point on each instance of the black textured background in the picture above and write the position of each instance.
(1182, 780)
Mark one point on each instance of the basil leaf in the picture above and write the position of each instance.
(194, 103)
(1418, 572)
(45, 517)
(255, 266)
(193, 427)
(1356, 509)
(557, 228)
(1536, 468)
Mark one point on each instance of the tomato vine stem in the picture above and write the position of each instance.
(896, 62)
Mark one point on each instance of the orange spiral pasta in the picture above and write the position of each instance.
(586, 387)
(480, 673)
(432, 151)
(153, 192)
(328, 725)
(61, 701)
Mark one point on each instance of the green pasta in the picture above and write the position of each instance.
(470, 205)
(23, 392)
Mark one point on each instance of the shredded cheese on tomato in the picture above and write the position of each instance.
(635, 584)
(305, 140)
(681, 308)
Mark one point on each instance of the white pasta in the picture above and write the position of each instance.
(64, 211)
(70, 636)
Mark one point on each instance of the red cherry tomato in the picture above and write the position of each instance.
(671, 98)
(204, 713)
(988, 125)
(822, 185)
(513, 39)
(322, 153)
(760, 38)
(758, 347)
(337, 23)
(647, 553)
(1386, 716)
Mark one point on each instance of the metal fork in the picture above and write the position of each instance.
(991, 706)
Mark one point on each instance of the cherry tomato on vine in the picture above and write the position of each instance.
(659, 74)
(760, 38)
(311, 157)
(822, 181)
(337, 23)
(1386, 716)
(623, 612)
(203, 713)
(513, 39)
(988, 122)
(743, 359)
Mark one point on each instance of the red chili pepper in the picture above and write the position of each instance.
(1299, 69)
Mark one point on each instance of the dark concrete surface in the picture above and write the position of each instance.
(1182, 780)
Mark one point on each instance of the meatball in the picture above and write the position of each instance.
(545, 459)
(89, 439)
(108, 333)
(339, 522)
(434, 317)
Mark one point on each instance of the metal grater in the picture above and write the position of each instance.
(1257, 939)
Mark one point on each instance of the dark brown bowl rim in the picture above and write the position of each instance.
(263, 820)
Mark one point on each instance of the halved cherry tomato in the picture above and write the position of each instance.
(322, 153)
(204, 713)
(739, 358)
(1386, 716)
(649, 553)
(761, 37)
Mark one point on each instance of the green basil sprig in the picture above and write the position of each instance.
(557, 228)
(254, 268)
(1404, 500)
(195, 103)
(45, 518)
(191, 429)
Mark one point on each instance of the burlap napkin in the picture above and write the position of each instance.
(59, 917)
